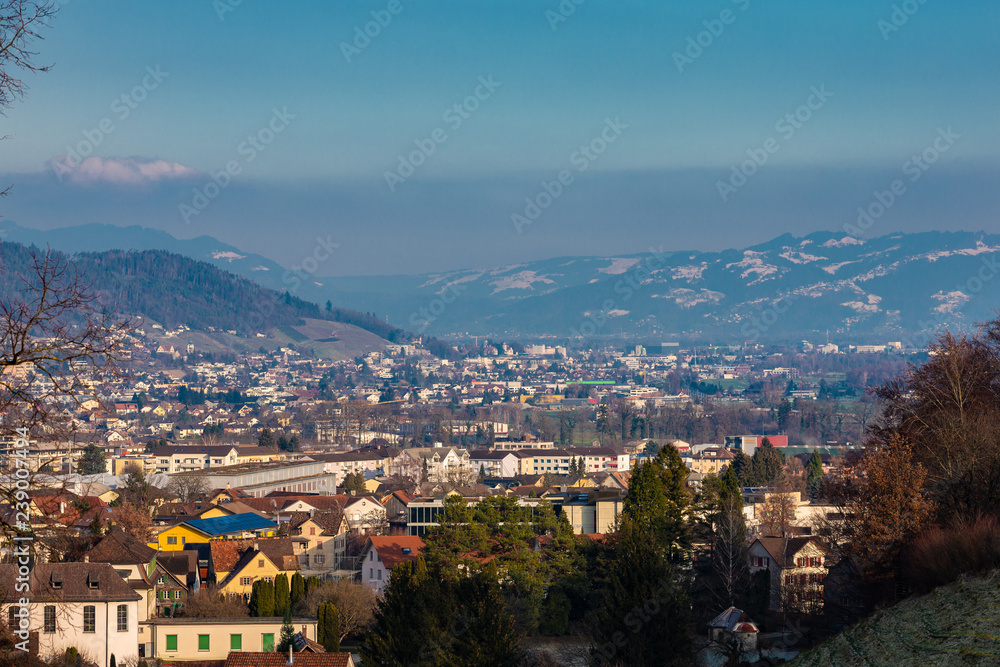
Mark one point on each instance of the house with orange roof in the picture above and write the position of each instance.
(382, 553)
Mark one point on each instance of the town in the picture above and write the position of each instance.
(202, 477)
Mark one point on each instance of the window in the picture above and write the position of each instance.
(319, 545)
(246, 581)
(380, 574)
(318, 560)
(371, 555)
(260, 562)
(269, 579)
(203, 642)
(177, 595)
(312, 531)
(371, 573)
(235, 642)
(267, 642)
(90, 618)
(122, 618)
(171, 540)
(161, 581)
(50, 618)
(171, 642)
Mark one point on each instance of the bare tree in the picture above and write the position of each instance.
(208, 602)
(133, 520)
(20, 22)
(729, 550)
(354, 602)
(776, 514)
(188, 488)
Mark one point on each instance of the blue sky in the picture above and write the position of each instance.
(224, 74)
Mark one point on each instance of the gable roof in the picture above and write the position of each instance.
(226, 553)
(391, 548)
(120, 548)
(782, 550)
(234, 523)
(74, 583)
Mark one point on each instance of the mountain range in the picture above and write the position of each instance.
(894, 287)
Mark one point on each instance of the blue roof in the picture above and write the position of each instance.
(234, 523)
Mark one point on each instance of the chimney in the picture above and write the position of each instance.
(291, 656)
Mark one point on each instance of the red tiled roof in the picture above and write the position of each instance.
(390, 548)
(251, 659)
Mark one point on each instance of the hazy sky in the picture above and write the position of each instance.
(310, 114)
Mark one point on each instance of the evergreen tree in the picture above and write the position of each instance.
(643, 617)
(297, 590)
(262, 599)
(767, 464)
(281, 595)
(287, 633)
(742, 467)
(328, 632)
(92, 461)
(266, 439)
(431, 617)
(814, 474)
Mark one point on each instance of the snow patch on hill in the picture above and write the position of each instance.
(520, 280)
(846, 241)
(796, 257)
(688, 298)
(226, 254)
(950, 301)
(753, 264)
(619, 265)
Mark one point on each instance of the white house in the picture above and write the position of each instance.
(381, 554)
(494, 464)
(364, 513)
(84, 605)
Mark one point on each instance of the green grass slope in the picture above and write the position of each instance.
(958, 624)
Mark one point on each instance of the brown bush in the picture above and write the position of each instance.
(941, 555)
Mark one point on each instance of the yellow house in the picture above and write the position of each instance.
(203, 530)
(253, 565)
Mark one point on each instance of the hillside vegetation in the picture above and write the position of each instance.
(172, 290)
(958, 624)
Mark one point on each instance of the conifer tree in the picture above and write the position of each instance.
(281, 595)
(287, 636)
(297, 590)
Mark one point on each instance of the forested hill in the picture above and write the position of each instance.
(174, 290)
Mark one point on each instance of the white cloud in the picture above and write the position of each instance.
(120, 171)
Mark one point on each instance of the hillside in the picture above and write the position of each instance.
(955, 625)
(225, 310)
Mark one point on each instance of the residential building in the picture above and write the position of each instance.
(188, 639)
(797, 565)
(381, 554)
(84, 605)
(195, 531)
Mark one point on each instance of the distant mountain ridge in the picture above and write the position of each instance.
(894, 287)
